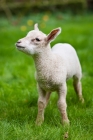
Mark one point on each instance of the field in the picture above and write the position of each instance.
(18, 93)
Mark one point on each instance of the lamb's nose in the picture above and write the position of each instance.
(19, 41)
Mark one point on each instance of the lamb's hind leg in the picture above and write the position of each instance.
(42, 102)
(78, 88)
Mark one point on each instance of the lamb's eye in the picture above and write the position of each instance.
(37, 39)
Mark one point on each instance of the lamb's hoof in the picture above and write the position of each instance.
(66, 122)
(66, 135)
(39, 121)
(82, 100)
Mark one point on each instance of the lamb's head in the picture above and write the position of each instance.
(36, 41)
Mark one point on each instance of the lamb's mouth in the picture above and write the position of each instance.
(20, 47)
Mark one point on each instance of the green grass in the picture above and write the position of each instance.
(18, 93)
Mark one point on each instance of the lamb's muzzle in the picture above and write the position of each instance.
(53, 67)
(18, 44)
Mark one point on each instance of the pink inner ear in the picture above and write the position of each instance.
(52, 34)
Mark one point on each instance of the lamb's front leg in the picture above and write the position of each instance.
(42, 102)
(62, 103)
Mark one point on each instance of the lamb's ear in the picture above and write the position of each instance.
(53, 34)
(36, 26)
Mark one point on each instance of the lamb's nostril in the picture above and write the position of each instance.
(18, 42)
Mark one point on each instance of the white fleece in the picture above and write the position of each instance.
(53, 67)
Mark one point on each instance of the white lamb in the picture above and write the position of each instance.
(53, 67)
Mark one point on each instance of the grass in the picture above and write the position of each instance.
(18, 94)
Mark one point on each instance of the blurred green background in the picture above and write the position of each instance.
(18, 93)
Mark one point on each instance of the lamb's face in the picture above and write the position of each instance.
(32, 43)
(36, 41)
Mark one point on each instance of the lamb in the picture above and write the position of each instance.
(53, 67)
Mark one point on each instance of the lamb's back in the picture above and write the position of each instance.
(70, 58)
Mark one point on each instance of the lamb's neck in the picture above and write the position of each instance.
(44, 59)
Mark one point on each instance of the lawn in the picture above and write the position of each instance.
(18, 93)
